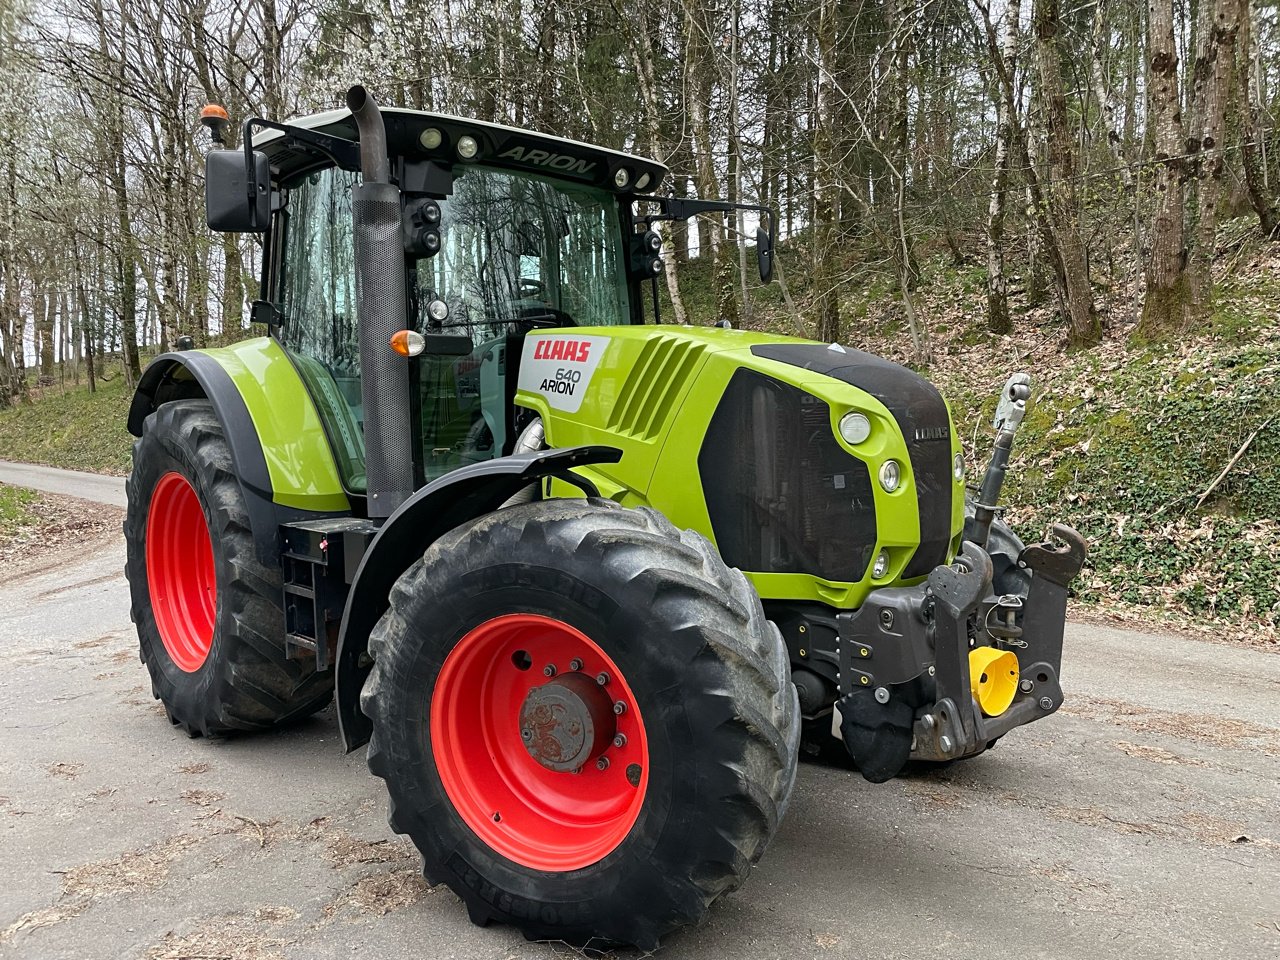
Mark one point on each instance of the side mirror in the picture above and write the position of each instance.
(228, 207)
(764, 254)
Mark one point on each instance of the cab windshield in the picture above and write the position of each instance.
(513, 244)
(517, 252)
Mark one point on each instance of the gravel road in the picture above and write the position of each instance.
(1143, 820)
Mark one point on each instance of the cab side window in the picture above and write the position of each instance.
(315, 294)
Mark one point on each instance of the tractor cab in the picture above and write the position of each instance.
(505, 232)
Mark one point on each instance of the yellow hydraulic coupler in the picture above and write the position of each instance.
(993, 677)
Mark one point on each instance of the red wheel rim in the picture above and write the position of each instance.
(180, 574)
(538, 817)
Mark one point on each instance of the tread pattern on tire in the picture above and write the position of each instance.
(746, 705)
(247, 683)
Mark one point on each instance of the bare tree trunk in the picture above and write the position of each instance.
(1004, 59)
(908, 267)
(642, 57)
(117, 163)
(1109, 105)
(825, 190)
(1250, 134)
(1170, 301)
(735, 173)
(701, 69)
(1063, 206)
(11, 319)
(1215, 59)
(42, 308)
(903, 33)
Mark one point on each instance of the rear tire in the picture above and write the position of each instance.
(207, 611)
(709, 710)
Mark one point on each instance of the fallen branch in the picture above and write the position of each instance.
(262, 835)
(1232, 462)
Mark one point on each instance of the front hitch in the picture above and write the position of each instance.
(941, 670)
(875, 717)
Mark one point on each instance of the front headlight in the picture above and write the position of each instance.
(854, 428)
(890, 475)
(881, 566)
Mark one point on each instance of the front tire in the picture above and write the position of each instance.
(207, 611)
(663, 760)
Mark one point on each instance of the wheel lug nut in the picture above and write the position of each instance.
(602, 763)
(620, 740)
(619, 708)
(575, 664)
(602, 678)
(526, 734)
(549, 670)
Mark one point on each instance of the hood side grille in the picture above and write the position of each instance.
(648, 395)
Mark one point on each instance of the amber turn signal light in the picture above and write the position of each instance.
(407, 343)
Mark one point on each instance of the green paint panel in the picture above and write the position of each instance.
(653, 396)
(299, 460)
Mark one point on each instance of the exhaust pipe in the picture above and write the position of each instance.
(375, 166)
(382, 309)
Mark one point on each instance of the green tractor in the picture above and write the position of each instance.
(587, 585)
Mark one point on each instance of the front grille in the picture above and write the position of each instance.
(782, 494)
(921, 415)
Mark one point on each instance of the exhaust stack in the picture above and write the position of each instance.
(382, 309)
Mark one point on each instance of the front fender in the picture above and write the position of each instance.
(433, 511)
(189, 374)
(278, 445)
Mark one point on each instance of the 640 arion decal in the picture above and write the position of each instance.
(560, 368)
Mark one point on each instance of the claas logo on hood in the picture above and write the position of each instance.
(575, 351)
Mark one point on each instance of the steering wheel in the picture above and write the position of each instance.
(532, 289)
(538, 316)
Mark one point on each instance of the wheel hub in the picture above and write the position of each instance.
(567, 722)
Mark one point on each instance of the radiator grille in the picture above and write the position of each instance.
(921, 415)
(782, 494)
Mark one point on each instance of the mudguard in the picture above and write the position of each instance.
(437, 508)
(279, 448)
(191, 374)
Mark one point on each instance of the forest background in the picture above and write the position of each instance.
(1085, 190)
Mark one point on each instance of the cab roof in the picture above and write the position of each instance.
(409, 135)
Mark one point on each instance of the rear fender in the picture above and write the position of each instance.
(433, 511)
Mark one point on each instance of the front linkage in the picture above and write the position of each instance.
(941, 670)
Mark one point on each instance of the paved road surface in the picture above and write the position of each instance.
(1141, 821)
(69, 483)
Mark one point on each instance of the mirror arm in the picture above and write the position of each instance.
(678, 208)
(345, 153)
